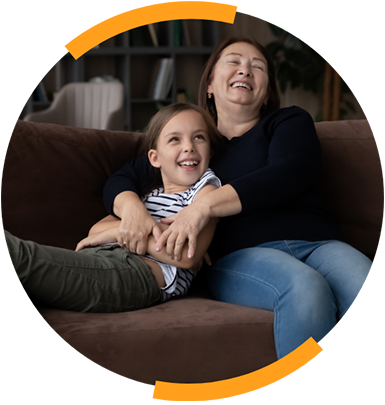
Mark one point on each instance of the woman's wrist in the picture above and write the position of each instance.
(222, 202)
(124, 202)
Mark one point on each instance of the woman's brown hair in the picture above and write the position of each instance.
(272, 91)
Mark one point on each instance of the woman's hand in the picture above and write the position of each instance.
(136, 224)
(135, 229)
(185, 225)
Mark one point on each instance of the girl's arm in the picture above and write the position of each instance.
(203, 240)
(190, 222)
(107, 230)
(107, 236)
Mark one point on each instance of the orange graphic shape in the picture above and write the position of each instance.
(78, 26)
(314, 371)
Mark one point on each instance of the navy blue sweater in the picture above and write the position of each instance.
(273, 168)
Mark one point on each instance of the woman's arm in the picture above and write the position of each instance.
(292, 163)
(107, 230)
(136, 223)
(183, 258)
(121, 198)
(190, 222)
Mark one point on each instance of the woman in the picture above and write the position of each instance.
(275, 248)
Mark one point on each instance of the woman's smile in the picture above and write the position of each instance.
(240, 77)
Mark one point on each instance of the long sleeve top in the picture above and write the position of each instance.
(273, 168)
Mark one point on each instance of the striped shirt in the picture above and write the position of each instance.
(161, 205)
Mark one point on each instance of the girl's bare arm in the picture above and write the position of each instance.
(188, 223)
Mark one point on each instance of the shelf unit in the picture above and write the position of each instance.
(126, 58)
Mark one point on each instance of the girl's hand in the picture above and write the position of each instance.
(106, 236)
(185, 225)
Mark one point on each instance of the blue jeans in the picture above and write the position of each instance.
(308, 285)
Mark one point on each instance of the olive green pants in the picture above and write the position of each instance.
(101, 279)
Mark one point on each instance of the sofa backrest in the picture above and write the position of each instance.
(54, 175)
(53, 179)
(351, 182)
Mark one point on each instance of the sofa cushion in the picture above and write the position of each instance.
(193, 339)
(351, 181)
(53, 179)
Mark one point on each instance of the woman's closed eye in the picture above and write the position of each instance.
(258, 67)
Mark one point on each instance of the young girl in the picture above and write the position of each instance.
(102, 276)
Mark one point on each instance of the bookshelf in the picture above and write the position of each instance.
(133, 58)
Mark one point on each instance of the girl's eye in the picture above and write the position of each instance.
(200, 137)
(174, 139)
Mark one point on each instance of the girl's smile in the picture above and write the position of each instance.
(182, 151)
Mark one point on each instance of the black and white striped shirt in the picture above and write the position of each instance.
(161, 205)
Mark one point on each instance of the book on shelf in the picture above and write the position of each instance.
(154, 37)
(164, 79)
(187, 38)
(154, 76)
(169, 79)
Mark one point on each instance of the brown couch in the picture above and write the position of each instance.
(52, 193)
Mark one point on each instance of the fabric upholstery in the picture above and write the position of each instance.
(52, 193)
(54, 176)
(85, 105)
(351, 181)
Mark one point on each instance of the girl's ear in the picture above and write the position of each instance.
(153, 157)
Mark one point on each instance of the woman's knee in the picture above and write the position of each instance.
(308, 296)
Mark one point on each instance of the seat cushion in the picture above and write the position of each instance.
(194, 339)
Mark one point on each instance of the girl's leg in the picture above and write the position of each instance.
(344, 268)
(93, 280)
(302, 301)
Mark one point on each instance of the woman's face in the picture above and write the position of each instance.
(240, 77)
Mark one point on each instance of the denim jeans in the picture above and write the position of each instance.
(101, 279)
(308, 285)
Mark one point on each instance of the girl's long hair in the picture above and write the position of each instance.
(159, 121)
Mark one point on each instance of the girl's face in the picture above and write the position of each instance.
(240, 77)
(182, 151)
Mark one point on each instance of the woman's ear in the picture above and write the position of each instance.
(153, 157)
